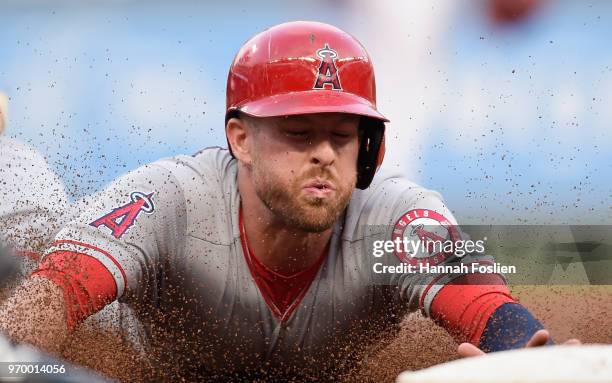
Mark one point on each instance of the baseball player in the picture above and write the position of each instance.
(252, 261)
(33, 200)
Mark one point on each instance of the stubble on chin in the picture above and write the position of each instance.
(310, 214)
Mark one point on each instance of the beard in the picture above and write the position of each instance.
(286, 200)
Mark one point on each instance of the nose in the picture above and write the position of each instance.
(322, 153)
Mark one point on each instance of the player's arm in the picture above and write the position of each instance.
(111, 251)
(476, 309)
(34, 314)
(481, 314)
(510, 326)
(67, 288)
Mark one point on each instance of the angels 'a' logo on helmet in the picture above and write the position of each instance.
(327, 75)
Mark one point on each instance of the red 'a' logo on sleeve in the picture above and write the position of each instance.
(328, 72)
(122, 218)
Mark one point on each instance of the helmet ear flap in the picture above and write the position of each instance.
(381, 153)
(371, 150)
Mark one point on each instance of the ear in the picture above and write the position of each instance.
(238, 137)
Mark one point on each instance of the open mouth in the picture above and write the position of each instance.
(319, 187)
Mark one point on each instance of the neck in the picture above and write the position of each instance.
(283, 249)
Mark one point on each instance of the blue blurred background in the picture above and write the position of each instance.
(504, 109)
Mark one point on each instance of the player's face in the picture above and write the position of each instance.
(304, 168)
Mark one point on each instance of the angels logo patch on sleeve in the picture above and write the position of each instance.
(427, 237)
(122, 218)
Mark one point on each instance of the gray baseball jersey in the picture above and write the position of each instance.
(169, 233)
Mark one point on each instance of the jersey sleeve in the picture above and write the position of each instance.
(422, 216)
(454, 296)
(131, 229)
(458, 286)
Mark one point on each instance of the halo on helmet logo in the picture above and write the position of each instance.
(326, 51)
(327, 74)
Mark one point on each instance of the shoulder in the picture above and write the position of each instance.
(194, 182)
(396, 186)
(204, 183)
(205, 168)
(390, 197)
(210, 164)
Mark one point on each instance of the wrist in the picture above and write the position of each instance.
(510, 326)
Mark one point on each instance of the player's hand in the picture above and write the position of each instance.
(540, 338)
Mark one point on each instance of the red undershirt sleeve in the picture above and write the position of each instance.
(86, 283)
(464, 306)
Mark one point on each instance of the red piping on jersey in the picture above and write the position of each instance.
(281, 293)
(86, 283)
(436, 279)
(464, 306)
(125, 282)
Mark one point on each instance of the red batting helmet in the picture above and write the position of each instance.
(308, 67)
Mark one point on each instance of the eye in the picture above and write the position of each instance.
(342, 134)
(296, 133)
